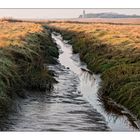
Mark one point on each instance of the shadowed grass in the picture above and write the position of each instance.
(24, 49)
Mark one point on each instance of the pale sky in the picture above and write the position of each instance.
(58, 13)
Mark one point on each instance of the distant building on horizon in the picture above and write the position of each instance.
(84, 14)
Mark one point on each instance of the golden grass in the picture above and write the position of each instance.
(114, 35)
(109, 20)
(14, 33)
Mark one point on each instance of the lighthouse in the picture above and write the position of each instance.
(84, 14)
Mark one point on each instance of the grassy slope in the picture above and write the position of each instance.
(114, 51)
(24, 48)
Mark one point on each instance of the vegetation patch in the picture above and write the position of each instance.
(24, 49)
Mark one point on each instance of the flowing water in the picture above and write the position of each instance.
(72, 105)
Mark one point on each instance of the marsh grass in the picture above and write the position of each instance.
(24, 48)
(114, 51)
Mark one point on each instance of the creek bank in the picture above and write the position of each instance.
(120, 73)
(22, 67)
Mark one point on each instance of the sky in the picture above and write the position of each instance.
(58, 13)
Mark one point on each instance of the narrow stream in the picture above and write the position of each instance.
(89, 85)
(72, 105)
